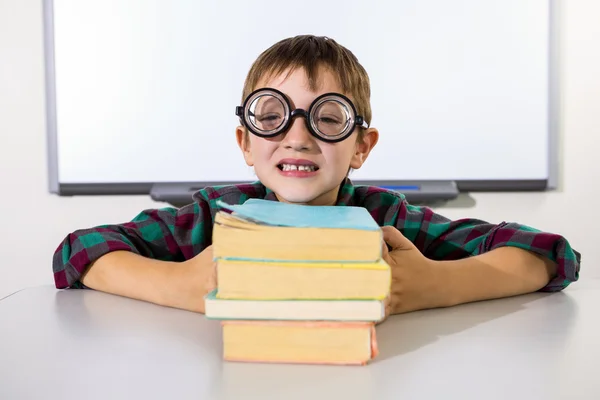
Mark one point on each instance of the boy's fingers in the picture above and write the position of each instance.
(384, 249)
(395, 239)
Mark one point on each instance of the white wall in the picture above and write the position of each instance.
(33, 222)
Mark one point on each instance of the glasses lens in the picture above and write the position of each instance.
(267, 112)
(331, 118)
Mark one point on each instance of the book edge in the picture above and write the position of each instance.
(236, 209)
(291, 361)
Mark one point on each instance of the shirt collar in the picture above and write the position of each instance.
(345, 194)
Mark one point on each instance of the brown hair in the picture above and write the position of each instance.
(310, 53)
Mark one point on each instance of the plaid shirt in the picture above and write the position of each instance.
(174, 234)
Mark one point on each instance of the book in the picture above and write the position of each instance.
(270, 280)
(303, 342)
(298, 283)
(270, 230)
(316, 310)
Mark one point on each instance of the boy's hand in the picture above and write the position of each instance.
(202, 272)
(415, 278)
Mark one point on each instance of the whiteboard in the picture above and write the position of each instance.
(144, 91)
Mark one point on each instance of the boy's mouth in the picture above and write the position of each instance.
(291, 165)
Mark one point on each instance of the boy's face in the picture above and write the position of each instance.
(276, 160)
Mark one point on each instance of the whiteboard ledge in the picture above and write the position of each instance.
(180, 193)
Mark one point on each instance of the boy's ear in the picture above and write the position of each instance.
(243, 141)
(364, 147)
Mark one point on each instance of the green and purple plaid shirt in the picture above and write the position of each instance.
(179, 234)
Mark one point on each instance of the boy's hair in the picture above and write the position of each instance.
(312, 52)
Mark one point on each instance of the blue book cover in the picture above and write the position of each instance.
(276, 213)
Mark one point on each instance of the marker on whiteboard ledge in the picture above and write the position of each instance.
(421, 191)
(401, 188)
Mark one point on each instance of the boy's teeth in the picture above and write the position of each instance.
(293, 167)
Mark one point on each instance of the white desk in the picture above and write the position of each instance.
(79, 344)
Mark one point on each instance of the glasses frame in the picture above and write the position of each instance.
(354, 120)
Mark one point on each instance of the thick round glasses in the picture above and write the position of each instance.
(331, 117)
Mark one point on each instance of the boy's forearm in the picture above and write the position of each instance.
(130, 275)
(503, 272)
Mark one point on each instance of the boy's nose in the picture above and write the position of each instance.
(298, 137)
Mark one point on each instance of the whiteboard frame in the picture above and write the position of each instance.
(144, 188)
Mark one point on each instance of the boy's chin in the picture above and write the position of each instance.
(305, 195)
(296, 199)
(303, 191)
(296, 196)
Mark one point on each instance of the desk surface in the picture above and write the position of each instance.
(82, 344)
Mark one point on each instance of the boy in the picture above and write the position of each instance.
(304, 124)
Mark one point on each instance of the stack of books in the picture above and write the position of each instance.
(297, 283)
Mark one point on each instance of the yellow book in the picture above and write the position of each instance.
(266, 280)
(270, 230)
(305, 342)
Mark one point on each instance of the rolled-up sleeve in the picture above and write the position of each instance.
(168, 234)
(440, 238)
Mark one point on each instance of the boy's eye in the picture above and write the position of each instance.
(268, 121)
(330, 115)
(329, 120)
(268, 117)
